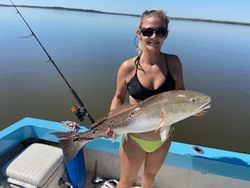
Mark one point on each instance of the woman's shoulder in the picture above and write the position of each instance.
(128, 65)
(174, 63)
(172, 58)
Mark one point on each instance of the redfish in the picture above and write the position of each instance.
(158, 112)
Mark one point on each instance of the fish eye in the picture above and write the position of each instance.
(192, 100)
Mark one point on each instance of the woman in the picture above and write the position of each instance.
(149, 73)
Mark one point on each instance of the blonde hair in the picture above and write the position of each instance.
(154, 13)
(151, 13)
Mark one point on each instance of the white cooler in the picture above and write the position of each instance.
(39, 165)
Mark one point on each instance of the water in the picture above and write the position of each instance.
(88, 48)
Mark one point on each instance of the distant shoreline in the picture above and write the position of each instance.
(126, 14)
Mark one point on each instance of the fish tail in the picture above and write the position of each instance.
(69, 144)
(62, 134)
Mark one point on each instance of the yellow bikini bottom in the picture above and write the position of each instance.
(147, 145)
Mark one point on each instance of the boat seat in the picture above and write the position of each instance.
(39, 165)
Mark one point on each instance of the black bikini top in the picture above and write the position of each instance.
(139, 92)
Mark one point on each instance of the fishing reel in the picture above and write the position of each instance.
(78, 112)
(81, 112)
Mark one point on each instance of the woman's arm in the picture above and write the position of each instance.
(120, 92)
(178, 73)
(121, 87)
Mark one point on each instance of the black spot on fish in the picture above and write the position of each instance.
(192, 100)
(76, 138)
(131, 114)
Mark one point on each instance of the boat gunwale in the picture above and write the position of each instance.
(210, 160)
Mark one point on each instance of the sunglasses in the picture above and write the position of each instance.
(148, 32)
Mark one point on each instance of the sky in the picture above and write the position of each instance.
(230, 10)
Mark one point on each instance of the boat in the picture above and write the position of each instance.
(30, 156)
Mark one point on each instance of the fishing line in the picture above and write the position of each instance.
(81, 111)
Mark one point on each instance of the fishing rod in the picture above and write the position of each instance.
(81, 111)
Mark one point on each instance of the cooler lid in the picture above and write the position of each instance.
(35, 164)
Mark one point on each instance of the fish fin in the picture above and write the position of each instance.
(61, 134)
(99, 121)
(122, 108)
(69, 144)
(162, 121)
(164, 132)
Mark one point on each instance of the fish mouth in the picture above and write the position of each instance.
(205, 106)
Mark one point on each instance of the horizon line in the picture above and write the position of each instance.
(128, 14)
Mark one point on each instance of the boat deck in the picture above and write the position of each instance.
(105, 164)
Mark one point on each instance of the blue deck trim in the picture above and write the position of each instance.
(214, 161)
(29, 128)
